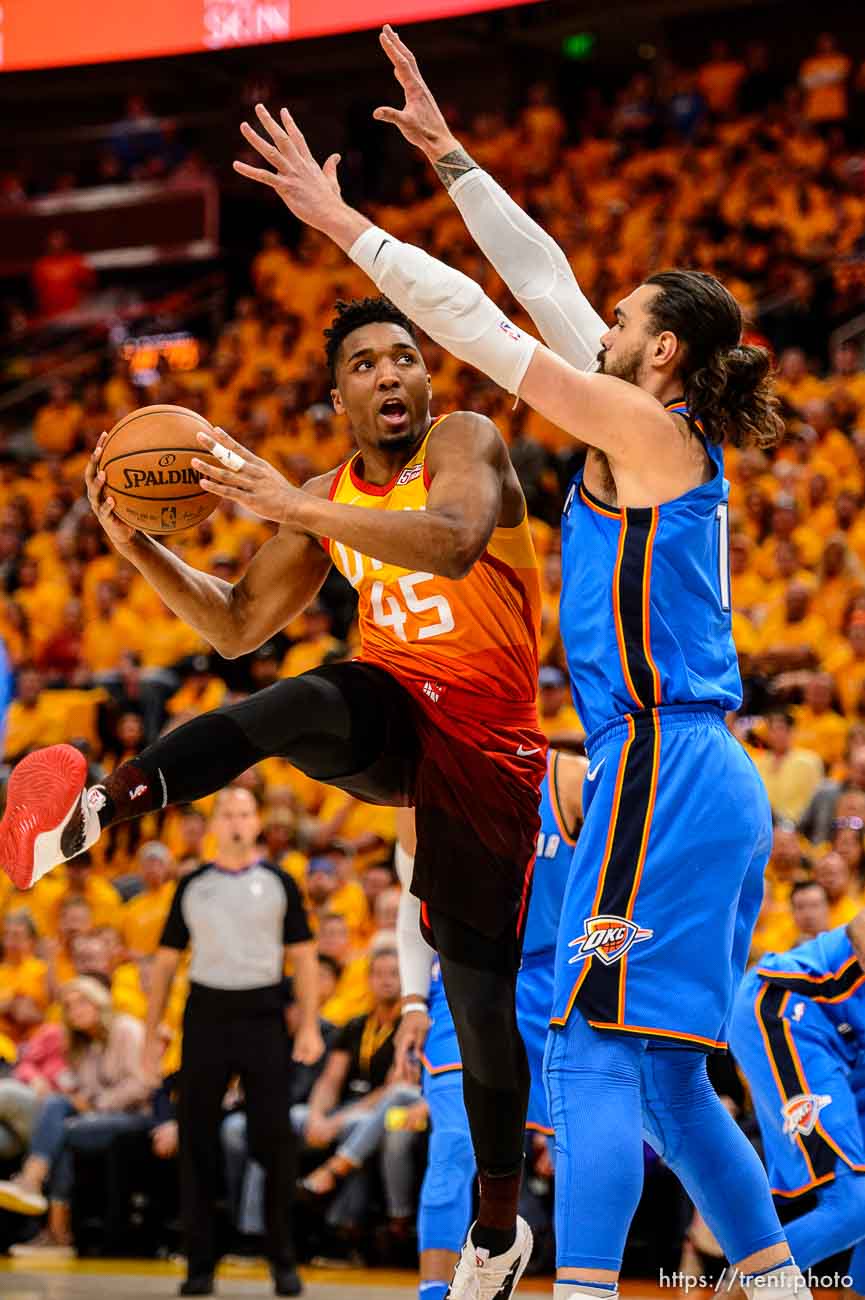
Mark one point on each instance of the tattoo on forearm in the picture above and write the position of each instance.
(452, 166)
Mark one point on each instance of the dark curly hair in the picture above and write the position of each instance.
(726, 384)
(352, 315)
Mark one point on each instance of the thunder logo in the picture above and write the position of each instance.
(608, 938)
(800, 1113)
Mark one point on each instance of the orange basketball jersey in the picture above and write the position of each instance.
(479, 633)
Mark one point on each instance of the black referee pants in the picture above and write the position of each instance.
(227, 1032)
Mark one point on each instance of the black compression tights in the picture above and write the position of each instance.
(328, 723)
(481, 996)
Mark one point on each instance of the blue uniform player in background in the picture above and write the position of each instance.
(798, 1032)
(446, 1196)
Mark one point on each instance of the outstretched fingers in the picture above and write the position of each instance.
(267, 150)
(271, 126)
(294, 134)
(256, 173)
(401, 53)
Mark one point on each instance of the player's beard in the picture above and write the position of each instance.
(626, 367)
(401, 442)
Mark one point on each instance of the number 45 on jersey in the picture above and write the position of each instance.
(391, 608)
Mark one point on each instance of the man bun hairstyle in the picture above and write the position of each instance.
(352, 315)
(726, 384)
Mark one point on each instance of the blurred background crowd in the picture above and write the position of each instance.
(739, 163)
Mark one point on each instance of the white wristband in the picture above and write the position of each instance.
(415, 1006)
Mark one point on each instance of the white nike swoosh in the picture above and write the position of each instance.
(524, 753)
(593, 771)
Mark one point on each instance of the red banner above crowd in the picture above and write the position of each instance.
(64, 32)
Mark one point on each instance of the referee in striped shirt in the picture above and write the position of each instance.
(239, 914)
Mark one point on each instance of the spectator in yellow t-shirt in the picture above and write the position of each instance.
(846, 372)
(201, 691)
(719, 79)
(837, 574)
(823, 78)
(127, 988)
(376, 880)
(76, 879)
(42, 597)
(790, 774)
(23, 978)
(166, 639)
(810, 912)
(795, 383)
(835, 874)
(775, 930)
(362, 828)
(273, 259)
(557, 716)
(848, 839)
(100, 953)
(143, 917)
(786, 527)
(314, 643)
(330, 892)
(352, 995)
(817, 725)
(73, 921)
(847, 663)
(832, 445)
(748, 588)
(57, 424)
(793, 636)
(109, 630)
(31, 720)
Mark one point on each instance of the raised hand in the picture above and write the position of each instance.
(421, 121)
(309, 191)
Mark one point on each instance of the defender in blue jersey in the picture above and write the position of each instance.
(446, 1195)
(665, 880)
(798, 1032)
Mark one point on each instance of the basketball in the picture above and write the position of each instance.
(148, 471)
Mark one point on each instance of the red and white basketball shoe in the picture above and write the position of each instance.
(481, 1276)
(49, 817)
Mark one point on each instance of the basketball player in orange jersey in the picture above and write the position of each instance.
(428, 523)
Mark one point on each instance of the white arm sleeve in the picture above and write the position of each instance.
(415, 955)
(447, 305)
(532, 266)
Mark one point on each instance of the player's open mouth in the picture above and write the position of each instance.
(394, 412)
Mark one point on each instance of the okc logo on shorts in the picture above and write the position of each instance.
(800, 1113)
(608, 938)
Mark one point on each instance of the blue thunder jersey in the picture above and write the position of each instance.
(555, 849)
(827, 971)
(645, 606)
(798, 1032)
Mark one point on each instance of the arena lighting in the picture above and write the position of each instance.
(179, 349)
(57, 33)
(578, 46)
